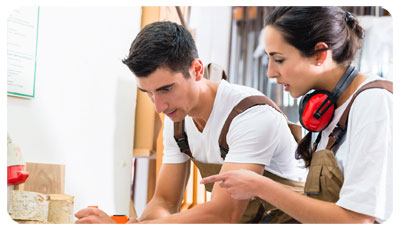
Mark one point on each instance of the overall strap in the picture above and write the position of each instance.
(248, 102)
(244, 104)
(181, 137)
(341, 127)
(212, 72)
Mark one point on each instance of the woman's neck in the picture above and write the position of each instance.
(358, 80)
(331, 77)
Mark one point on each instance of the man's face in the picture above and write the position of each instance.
(170, 92)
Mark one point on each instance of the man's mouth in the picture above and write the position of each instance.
(171, 114)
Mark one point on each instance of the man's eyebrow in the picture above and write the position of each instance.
(144, 91)
(158, 89)
(165, 87)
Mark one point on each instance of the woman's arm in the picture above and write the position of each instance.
(243, 184)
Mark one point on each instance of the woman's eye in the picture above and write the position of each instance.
(279, 60)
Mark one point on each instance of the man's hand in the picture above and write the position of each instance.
(132, 220)
(241, 184)
(93, 216)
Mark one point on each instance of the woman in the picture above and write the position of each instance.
(312, 48)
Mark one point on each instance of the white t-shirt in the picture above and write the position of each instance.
(259, 135)
(366, 153)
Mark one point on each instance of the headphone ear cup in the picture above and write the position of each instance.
(303, 102)
(309, 105)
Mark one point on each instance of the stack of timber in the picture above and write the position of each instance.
(61, 209)
(33, 207)
(29, 206)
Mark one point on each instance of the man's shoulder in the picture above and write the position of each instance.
(230, 95)
(234, 89)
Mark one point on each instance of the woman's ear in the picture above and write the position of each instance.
(197, 69)
(321, 49)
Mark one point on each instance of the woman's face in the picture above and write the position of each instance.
(287, 65)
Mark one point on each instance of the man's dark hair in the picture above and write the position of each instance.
(161, 44)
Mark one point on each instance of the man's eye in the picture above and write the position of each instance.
(279, 61)
(166, 90)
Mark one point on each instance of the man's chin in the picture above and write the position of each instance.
(176, 119)
(175, 116)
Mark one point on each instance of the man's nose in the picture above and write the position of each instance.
(159, 104)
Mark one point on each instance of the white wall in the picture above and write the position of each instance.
(83, 111)
(212, 25)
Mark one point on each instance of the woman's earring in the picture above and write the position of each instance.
(318, 63)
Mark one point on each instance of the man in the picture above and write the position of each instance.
(165, 61)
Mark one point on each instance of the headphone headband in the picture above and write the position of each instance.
(344, 82)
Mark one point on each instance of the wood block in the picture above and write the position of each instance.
(151, 182)
(30, 222)
(28, 206)
(144, 126)
(44, 178)
(160, 145)
(150, 14)
(61, 209)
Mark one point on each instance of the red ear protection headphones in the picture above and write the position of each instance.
(316, 109)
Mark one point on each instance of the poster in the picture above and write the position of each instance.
(22, 36)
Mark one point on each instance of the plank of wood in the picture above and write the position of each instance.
(151, 182)
(30, 222)
(61, 209)
(28, 206)
(44, 178)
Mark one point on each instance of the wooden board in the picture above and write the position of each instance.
(44, 178)
(61, 209)
(28, 206)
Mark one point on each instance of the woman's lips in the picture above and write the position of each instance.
(286, 87)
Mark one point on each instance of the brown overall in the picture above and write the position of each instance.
(257, 208)
(325, 179)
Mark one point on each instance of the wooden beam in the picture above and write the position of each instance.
(44, 178)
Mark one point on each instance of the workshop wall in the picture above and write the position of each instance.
(212, 25)
(83, 112)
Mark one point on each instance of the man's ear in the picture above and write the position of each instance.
(197, 69)
(322, 52)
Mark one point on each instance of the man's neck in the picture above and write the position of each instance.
(205, 104)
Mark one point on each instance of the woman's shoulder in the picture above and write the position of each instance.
(373, 95)
(372, 105)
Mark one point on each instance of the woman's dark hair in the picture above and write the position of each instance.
(161, 44)
(304, 27)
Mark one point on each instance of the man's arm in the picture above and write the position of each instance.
(168, 195)
(220, 209)
(170, 188)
